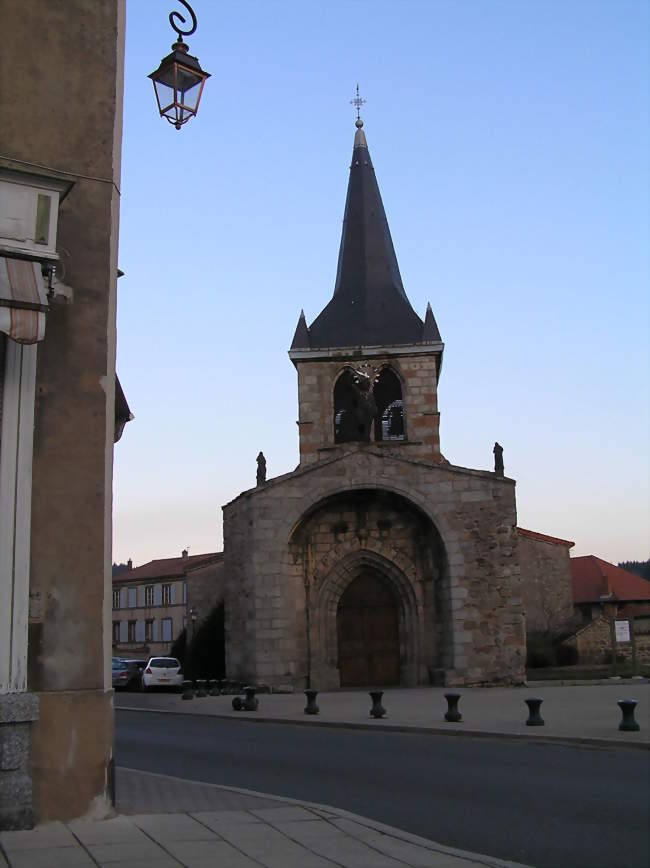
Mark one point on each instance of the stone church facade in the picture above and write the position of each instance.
(376, 562)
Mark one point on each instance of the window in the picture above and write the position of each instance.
(116, 632)
(167, 595)
(116, 599)
(184, 593)
(166, 629)
(132, 598)
(148, 629)
(131, 634)
(148, 595)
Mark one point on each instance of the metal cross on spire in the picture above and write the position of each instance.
(357, 102)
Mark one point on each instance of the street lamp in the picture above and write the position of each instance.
(178, 81)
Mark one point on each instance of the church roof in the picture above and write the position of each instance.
(369, 306)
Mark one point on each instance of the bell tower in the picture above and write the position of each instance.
(368, 366)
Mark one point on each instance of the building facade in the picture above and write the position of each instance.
(377, 561)
(154, 603)
(61, 86)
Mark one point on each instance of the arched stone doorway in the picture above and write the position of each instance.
(367, 623)
(378, 533)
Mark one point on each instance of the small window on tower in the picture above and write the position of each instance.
(389, 421)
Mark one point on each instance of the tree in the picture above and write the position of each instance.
(640, 568)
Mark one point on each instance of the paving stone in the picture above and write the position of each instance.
(279, 815)
(417, 857)
(46, 835)
(54, 857)
(197, 854)
(356, 830)
(299, 829)
(127, 854)
(218, 820)
(173, 827)
(117, 830)
(353, 853)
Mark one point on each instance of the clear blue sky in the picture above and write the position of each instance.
(510, 141)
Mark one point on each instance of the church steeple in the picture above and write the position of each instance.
(368, 366)
(369, 306)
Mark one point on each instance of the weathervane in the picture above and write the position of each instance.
(357, 102)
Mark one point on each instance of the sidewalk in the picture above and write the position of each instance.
(586, 714)
(223, 827)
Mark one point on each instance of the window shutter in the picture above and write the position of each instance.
(157, 595)
(172, 596)
(132, 598)
(154, 631)
(141, 596)
(139, 631)
(123, 631)
(167, 630)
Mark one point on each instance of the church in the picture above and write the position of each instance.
(375, 562)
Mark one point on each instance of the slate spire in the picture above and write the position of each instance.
(369, 306)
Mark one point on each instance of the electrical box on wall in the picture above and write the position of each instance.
(29, 211)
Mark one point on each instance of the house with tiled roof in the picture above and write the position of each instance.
(155, 602)
(599, 586)
(612, 604)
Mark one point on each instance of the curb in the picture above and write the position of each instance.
(570, 741)
(400, 834)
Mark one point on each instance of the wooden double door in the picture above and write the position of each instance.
(368, 633)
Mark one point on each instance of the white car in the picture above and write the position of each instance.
(162, 672)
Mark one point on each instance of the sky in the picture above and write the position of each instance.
(510, 140)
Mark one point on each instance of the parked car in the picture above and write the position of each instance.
(139, 665)
(162, 672)
(125, 676)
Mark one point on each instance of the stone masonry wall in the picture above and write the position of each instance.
(546, 590)
(593, 644)
(474, 513)
(205, 588)
(417, 373)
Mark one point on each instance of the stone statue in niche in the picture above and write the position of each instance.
(498, 459)
(261, 469)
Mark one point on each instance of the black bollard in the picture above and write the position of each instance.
(311, 707)
(250, 703)
(188, 693)
(534, 717)
(200, 687)
(377, 709)
(628, 724)
(213, 689)
(452, 714)
(237, 703)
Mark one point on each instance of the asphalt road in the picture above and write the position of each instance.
(550, 806)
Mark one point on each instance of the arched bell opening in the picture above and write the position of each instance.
(389, 418)
(354, 408)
